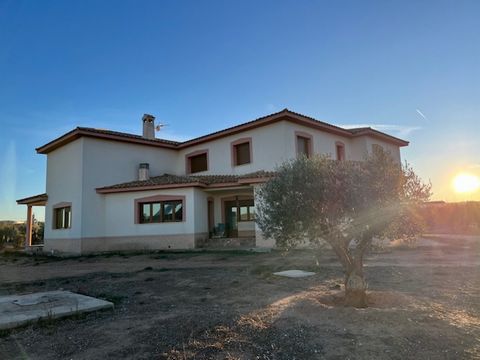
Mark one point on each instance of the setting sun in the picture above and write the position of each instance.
(466, 183)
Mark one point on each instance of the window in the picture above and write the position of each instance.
(377, 148)
(62, 217)
(340, 151)
(162, 211)
(303, 143)
(245, 210)
(197, 162)
(303, 146)
(241, 152)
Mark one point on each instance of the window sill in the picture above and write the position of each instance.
(235, 166)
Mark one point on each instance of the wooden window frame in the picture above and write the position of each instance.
(158, 199)
(340, 155)
(162, 205)
(233, 150)
(307, 136)
(188, 164)
(61, 207)
(238, 200)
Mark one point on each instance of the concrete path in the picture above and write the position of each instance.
(17, 310)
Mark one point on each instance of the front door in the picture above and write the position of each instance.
(231, 218)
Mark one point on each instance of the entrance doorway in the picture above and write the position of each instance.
(231, 218)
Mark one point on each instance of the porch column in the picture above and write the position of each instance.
(28, 230)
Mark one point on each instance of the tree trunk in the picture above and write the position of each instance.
(355, 287)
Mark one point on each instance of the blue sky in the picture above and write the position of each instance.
(410, 68)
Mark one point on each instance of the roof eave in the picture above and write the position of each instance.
(382, 136)
(77, 133)
(35, 200)
(286, 115)
(106, 190)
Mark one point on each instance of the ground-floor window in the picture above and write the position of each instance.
(161, 211)
(62, 217)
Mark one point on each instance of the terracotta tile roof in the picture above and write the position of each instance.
(360, 129)
(285, 114)
(176, 181)
(127, 135)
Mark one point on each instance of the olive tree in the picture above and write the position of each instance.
(343, 204)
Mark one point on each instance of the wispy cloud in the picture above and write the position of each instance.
(397, 130)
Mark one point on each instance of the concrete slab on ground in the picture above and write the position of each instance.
(294, 273)
(18, 310)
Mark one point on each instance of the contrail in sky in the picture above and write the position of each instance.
(421, 114)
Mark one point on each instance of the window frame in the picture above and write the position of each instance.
(158, 199)
(240, 202)
(305, 136)
(233, 150)
(66, 216)
(189, 156)
(340, 155)
(162, 204)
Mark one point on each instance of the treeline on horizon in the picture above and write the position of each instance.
(451, 218)
(12, 233)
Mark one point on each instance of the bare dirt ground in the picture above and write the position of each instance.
(424, 304)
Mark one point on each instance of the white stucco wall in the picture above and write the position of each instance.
(268, 150)
(200, 203)
(271, 146)
(390, 148)
(120, 214)
(110, 162)
(64, 184)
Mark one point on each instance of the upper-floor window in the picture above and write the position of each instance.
(242, 151)
(161, 211)
(340, 151)
(197, 161)
(377, 147)
(304, 144)
(62, 217)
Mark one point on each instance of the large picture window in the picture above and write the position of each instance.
(62, 217)
(161, 211)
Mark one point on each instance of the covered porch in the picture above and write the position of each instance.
(36, 200)
(231, 217)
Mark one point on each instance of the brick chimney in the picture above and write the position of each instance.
(148, 126)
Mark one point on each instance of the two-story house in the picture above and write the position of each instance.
(107, 190)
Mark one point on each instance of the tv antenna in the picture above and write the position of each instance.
(160, 126)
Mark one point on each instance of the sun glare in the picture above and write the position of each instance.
(466, 183)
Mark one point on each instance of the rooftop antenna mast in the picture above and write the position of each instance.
(160, 126)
